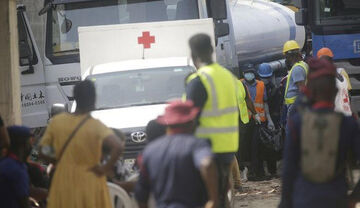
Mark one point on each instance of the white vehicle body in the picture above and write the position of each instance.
(131, 93)
(56, 71)
(137, 116)
(123, 42)
(137, 69)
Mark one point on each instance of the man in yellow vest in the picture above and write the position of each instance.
(297, 75)
(214, 90)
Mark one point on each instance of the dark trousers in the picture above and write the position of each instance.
(223, 181)
(252, 153)
(246, 132)
(256, 167)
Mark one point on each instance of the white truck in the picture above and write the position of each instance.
(245, 31)
(136, 70)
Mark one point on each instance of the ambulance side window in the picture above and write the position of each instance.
(27, 53)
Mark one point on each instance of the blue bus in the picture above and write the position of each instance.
(335, 24)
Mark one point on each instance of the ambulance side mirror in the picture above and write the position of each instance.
(218, 9)
(221, 29)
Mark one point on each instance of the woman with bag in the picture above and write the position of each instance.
(75, 142)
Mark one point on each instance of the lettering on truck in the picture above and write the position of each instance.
(32, 98)
(69, 80)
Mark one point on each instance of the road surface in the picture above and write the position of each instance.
(263, 194)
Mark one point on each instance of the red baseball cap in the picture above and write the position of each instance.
(178, 112)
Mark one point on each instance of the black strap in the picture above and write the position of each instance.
(72, 136)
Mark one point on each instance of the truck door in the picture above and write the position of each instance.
(33, 94)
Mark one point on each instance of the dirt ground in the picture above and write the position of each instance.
(263, 194)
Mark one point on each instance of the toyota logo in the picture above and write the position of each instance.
(138, 137)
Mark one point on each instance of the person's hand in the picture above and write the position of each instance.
(210, 204)
(257, 119)
(271, 125)
(98, 170)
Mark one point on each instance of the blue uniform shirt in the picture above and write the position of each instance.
(170, 170)
(14, 182)
(297, 192)
(252, 90)
(298, 74)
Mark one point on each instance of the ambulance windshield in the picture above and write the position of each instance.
(139, 87)
(64, 19)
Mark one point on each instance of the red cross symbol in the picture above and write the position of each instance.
(146, 39)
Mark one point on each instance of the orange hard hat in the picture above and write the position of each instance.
(325, 52)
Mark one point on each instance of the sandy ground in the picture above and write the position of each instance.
(263, 194)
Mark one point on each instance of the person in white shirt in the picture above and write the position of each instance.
(342, 100)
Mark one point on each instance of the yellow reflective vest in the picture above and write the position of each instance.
(291, 100)
(219, 119)
(244, 116)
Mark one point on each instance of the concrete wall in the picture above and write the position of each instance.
(37, 22)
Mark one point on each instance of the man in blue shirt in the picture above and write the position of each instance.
(14, 179)
(297, 72)
(178, 168)
(257, 91)
(304, 183)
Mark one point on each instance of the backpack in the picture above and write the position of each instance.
(320, 134)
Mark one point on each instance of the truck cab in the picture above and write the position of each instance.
(49, 78)
(34, 99)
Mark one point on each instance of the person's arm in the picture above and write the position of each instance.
(291, 161)
(299, 76)
(209, 175)
(47, 142)
(270, 123)
(250, 105)
(249, 102)
(117, 148)
(142, 187)
(196, 92)
(268, 117)
(203, 161)
(4, 137)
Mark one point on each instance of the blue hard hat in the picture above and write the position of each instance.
(265, 70)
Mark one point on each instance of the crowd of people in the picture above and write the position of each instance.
(222, 126)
